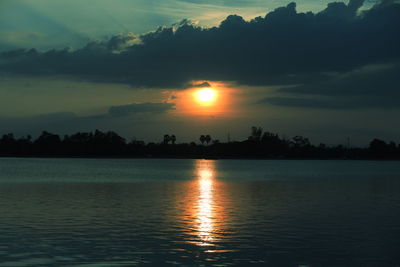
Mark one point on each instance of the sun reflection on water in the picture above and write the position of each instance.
(203, 209)
(205, 173)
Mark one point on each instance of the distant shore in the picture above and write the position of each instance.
(259, 145)
(194, 158)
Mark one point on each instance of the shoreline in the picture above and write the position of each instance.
(199, 158)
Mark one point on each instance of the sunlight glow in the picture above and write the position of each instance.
(218, 99)
(206, 95)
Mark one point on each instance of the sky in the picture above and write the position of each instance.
(325, 70)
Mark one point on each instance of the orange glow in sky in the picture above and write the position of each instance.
(206, 96)
(215, 100)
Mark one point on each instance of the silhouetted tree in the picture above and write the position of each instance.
(256, 133)
(202, 139)
(377, 146)
(7, 144)
(7, 138)
(208, 139)
(173, 139)
(273, 145)
(380, 149)
(259, 145)
(300, 147)
(48, 143)
(300, 142)
(167, 138)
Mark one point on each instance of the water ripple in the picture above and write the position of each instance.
(201, 221)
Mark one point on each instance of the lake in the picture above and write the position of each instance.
(182, 212)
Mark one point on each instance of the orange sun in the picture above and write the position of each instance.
(213, 100)
(206, 96)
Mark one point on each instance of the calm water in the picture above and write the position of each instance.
(142, 212)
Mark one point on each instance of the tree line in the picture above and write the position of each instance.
(259, 144)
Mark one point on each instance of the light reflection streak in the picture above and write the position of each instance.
(205, 172)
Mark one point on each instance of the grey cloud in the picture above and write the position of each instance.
(36, 124)
(120, 111)
(284, 47)
(198, 85)
(364, 102)
(341, 57)
(374, 80)
(56, 116)
(374, 86)
(115, 117)
(124, 110)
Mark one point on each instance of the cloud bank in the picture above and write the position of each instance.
(123, 117)
(321, 52)
(124, 110)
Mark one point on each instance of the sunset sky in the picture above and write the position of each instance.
(324, 70)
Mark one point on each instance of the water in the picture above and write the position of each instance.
(159, 212)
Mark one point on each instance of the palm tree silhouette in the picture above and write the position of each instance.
(167, 138)
(208, 139)
(173, 139)
(202, 139)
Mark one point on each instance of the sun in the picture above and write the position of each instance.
(206, 95)
(205, 100)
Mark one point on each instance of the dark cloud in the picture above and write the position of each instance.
(56, 116)
(373, 86)
(281, 48)
(116, 117)
(198, 85)
(340, 57)
(372, 80)
(364, 102)
(124, 110)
